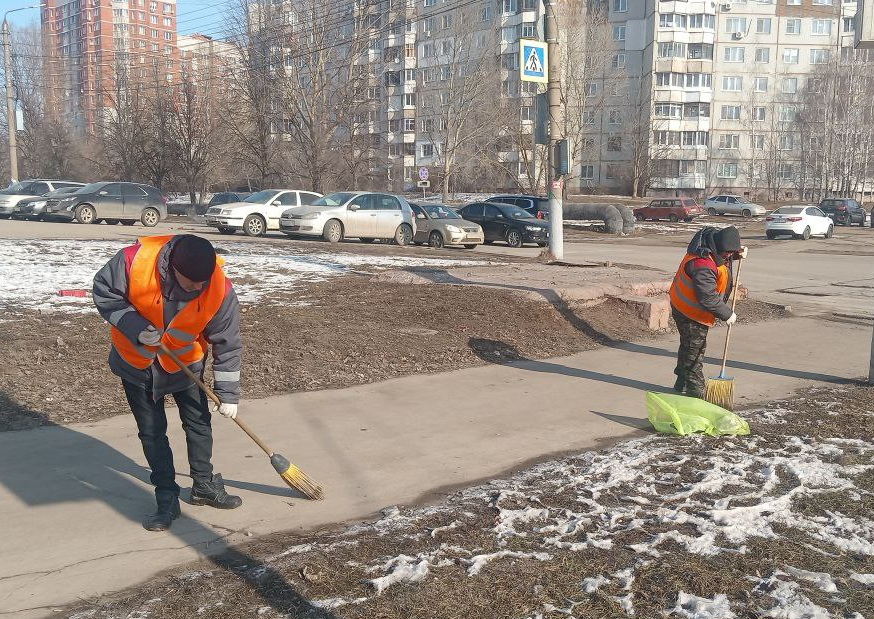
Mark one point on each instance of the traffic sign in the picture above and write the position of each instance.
(424, 184)
(533, 59)
(423, 174)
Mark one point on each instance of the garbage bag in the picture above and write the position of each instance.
(678, 414)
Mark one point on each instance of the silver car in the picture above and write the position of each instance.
(733, 205)
(24, 191)
(439, 225)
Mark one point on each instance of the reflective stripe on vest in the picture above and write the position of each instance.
(184, 334)
(685, 299)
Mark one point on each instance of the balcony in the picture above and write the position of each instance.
(687, 181)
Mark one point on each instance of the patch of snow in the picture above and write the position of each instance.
(264, 610)
(590, 585)
(332, 603)
(402, 568)
(865, 579)
(820, 580)
(626, 603)
(452, 525)
(694, 607)
(789, 602)
(477, 563)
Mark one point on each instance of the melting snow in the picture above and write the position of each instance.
(478, 562)
(693, 607)
(401, 568)
(865, 579)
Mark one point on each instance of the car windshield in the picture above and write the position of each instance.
(830, 203)
(788, 210)
(91, 188)
(260, 197)
(439, 211)
(514, 212)
(17, 188)
(333, 199)
(741, 200)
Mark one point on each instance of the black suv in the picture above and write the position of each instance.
(537, 206)
(844, 211)
(505, 222)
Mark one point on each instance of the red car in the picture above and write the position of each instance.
(672, 209)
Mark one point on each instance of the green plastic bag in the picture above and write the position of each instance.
(679, 414)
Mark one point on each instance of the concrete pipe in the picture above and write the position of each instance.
(607, 213)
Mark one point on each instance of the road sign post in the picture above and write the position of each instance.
(556, 121)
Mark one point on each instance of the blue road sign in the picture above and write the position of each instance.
(533, 60)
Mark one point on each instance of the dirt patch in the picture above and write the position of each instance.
(346, 331)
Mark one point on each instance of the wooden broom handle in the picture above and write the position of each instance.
(212, 396)
(733, 305)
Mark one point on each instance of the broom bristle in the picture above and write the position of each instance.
(299, 480)
(720, 391)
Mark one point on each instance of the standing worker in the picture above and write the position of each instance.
(171, 290)
(699, 295)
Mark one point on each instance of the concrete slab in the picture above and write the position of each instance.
(71, 498)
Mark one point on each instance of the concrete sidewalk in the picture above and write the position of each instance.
(71, 498)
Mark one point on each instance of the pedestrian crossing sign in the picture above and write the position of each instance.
(533, 61)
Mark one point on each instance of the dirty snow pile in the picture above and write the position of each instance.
(33, 272)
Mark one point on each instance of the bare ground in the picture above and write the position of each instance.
(345, 331)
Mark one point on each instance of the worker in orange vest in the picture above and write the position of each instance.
(172, 290)
(699, 295)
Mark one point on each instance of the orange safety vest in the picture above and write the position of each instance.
(685, 299)
(184, 334)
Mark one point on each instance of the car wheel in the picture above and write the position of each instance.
(541, 245)
(223, 230)
(111, 222)
(435, 240)
(487, 242)
(771, 235)
(470, 246)
(254, 225)
(514, 238)
(640, 217)
(85, 214)
(367, 240)
(806, 234)
(830, 232)
(403, 235)
(711, 211)
(128, 222)
(746, 213)
(150, 217)
(333, 231)
(673, 218)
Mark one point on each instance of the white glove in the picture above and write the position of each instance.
(226, 410)
(731, 319)
(744, 250)
(149, 336)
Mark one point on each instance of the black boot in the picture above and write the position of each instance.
(168, 511)
(213, 493)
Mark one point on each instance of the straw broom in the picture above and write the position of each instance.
(289, 473)
(720, 390)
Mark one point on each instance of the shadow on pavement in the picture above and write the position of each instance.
(82, 468)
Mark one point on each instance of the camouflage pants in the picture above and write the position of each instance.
(690, 356)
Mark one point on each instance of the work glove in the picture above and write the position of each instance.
(225, 410)
(731, 319)
(149, 336)
(744, 250)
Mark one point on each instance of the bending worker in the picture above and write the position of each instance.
(699, 295)
(170, 290)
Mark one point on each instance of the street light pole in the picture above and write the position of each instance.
(11, 116)
(556, 116)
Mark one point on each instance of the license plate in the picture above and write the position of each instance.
(779, 220)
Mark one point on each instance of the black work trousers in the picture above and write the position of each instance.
(690, 356)
(152, 424)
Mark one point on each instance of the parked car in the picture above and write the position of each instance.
(361, 214)
(258, 213)
(28, 190)
(222, 197)
(505, 222)
(844, 211)
(672, 209)
(733, 205)
(537, 206)
(35, 208)
(439, 225)
(111, 202)
(800, 221)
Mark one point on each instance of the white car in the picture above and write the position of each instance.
(733, 205)
(361, 214)
(800, 221)
(259, 212)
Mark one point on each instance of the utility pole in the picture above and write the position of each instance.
(556, 122)
(11, 120)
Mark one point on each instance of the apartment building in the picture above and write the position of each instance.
(722, 83)
(95, 46)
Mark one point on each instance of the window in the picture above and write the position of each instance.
(427, 150)
(696, 110)
(787, 142)
(587, 172)
(793, 26)
(527, 112)
(763, 55)
(787, 113)
(790, 85)
(824, 2)
(729, 140)
(153, 19)
(760, 84)
(430, 2)
(486, 13)
(672, 50)
(695, 138)
(757, 141)
(618, 61)
(154, 33)
(726, 170)
(759, 113)
(730, 112)
(428, 25)
(446, 21)
(530, 5)
(619, 33)
(410, 99)
(700, 51)
(667, 138)
(529, 30)
(168, 36)
(614, 144)
(784, 171)
(763, 25)
(849, 25)
(701, 20)
(672, 20)
(591, 89)
(819, 56)
(732, 83)
(614, 117)
(509, 6)
(509, 34)
(790, 55)
(409, 125)
(793, 2)
(668, 110)
(735, 24)
(409, 75)
(620, 6)
(821, 26)
(588, 117)
(733, 54)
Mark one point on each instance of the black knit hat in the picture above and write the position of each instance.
(193, 257)
(727, 239)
